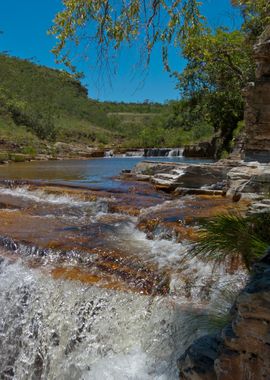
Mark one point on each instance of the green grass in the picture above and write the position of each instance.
(39, 106)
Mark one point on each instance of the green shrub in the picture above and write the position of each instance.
(4, 157)
(230, 235)
(17, 157)
(29, 150)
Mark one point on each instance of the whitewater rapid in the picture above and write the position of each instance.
(64, 330)
(60, 329)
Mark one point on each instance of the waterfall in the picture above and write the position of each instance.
(163, 152)
(129, 153)
(147, 152)
(108, 153)
(177, 152)
(58, 329)
(135, 153)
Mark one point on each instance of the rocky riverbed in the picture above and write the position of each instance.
(96, 280)
(236, 179)
(241, 350)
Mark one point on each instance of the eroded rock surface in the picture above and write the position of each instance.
(169, 176)
(249, 178)
(234, 178)
(242, 351)
(257, 113)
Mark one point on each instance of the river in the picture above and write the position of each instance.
(94, 281)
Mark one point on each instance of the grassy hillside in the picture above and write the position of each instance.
(39, 106)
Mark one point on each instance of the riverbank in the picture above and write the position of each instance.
(64, 151)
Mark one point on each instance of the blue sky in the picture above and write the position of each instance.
(25, 24)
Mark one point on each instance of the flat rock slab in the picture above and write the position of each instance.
(169, 176)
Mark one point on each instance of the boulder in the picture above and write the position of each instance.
(170, 176)
(249, 179)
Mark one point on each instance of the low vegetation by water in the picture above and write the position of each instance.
(232, 236)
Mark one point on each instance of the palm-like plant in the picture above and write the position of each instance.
(231, 235)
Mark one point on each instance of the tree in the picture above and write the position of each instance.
(219, 62)
(217, 69)
(110, 25)
(256, 16)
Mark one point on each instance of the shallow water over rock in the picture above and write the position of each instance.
(89, 290)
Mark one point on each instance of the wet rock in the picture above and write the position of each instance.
(187, 191)
(179, 217)
(243, 347)
(197, 363)
(152, 167)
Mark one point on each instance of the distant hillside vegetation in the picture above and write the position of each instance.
(39, 106)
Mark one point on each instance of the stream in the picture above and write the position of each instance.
(95, 278)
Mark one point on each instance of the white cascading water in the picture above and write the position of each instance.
(56, 329)
(59, 329)
(151, 152)
(65, 330)
(177, 152)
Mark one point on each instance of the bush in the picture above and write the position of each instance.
(230, 235)
(29, 150)
(17, 157)
(4, 157)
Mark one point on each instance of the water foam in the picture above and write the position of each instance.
(57, 329)
(42, 196)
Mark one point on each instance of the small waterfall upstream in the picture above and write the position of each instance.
(148, 152)
(163, 152)
(112, 321)
(177, 152)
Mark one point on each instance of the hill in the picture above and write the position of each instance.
(40, 106)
